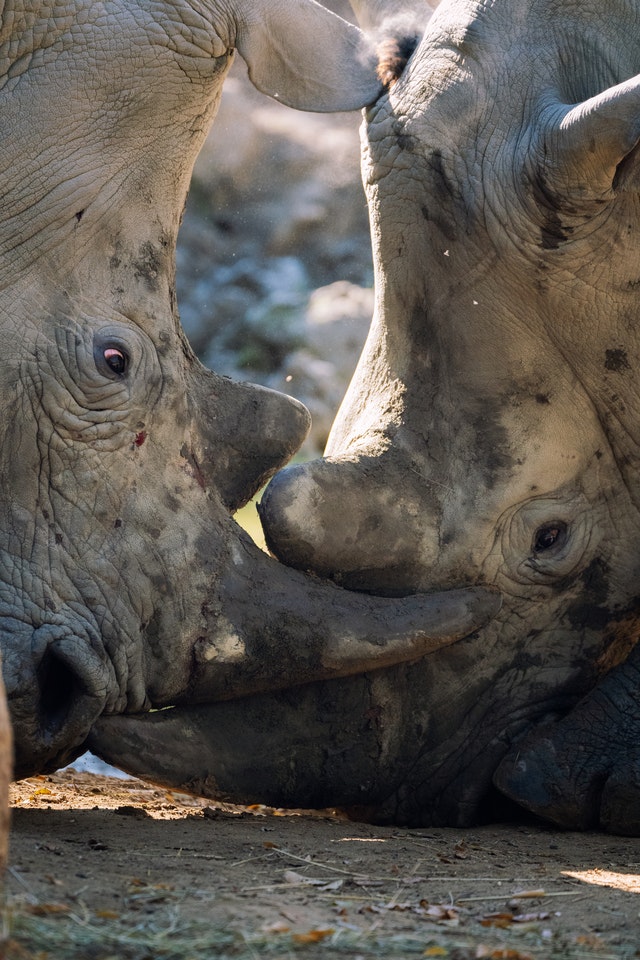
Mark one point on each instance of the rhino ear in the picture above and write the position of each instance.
(300, 53)
(583, 146)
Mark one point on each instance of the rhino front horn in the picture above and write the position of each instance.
(274, 627)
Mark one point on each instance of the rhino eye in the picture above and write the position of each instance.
(549, 536)
(112, 359)
(115, 360)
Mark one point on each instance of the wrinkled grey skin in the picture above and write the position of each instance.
(124, 583)
(490, 436)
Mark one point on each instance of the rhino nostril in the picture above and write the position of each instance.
(59, 687)
(56, 697)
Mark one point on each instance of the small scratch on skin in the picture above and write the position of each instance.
(192, 467)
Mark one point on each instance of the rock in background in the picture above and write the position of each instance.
(274, 258)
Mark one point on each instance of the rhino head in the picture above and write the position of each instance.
(490, 434)
(124, 582)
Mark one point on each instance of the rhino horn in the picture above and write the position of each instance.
(306, 56)
(584, 145)
(268, 627)
(257, 430)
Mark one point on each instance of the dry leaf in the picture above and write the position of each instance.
(460, 850)
(591, 940)
(44, 909)
(490, 953)
(54, 881)
(435, 952)
(321, 883)
(40, 792)
(333, 885)
(292, 877)
(313, 936)
(107, 914)
(440, 913)
(500, 920)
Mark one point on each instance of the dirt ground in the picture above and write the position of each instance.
(107, 868)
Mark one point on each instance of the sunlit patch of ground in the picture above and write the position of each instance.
(629, 882)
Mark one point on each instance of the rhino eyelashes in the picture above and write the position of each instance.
(549, 536)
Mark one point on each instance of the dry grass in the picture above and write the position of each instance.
(59, 934)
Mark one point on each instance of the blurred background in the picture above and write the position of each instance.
(274, 258)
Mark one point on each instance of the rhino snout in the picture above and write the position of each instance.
(318, 516)
(54, 699)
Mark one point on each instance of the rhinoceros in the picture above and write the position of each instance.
(125, 585)
(490, 437)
